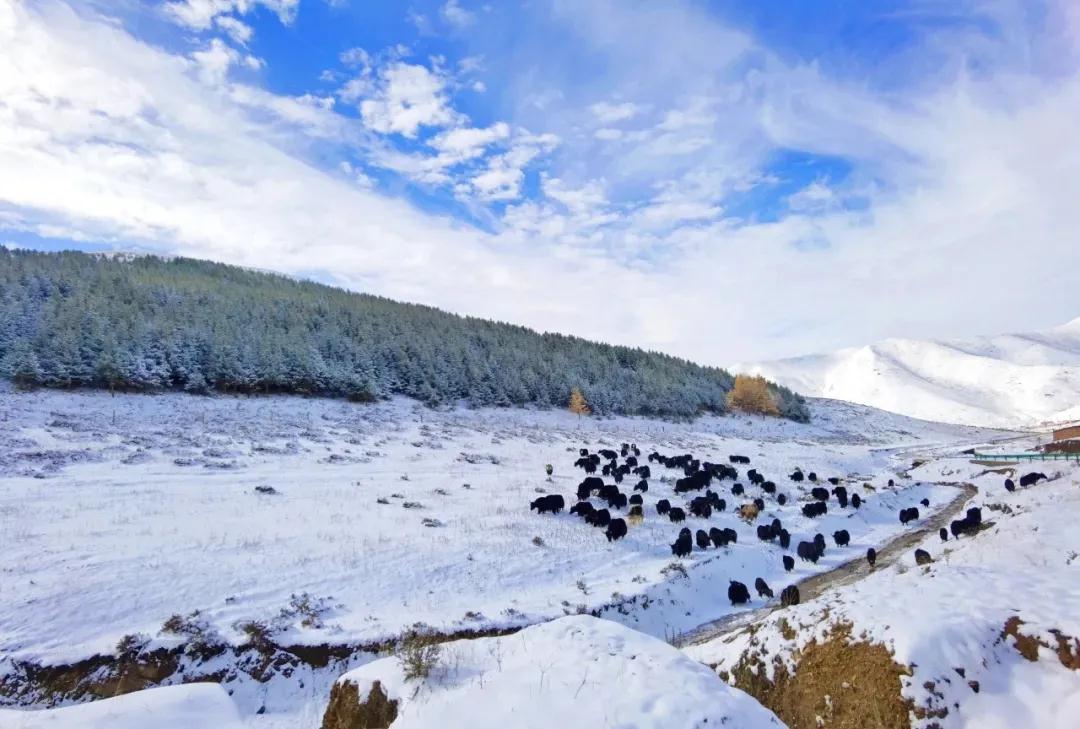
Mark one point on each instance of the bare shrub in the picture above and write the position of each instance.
(419, 653)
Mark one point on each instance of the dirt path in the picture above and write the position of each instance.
(845, 574)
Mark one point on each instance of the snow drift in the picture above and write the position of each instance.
(192, 706)
(1005, 381)
(574, 671)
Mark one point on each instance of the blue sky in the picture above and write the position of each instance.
(721, 180)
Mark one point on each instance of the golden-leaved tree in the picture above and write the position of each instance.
(578, 403)
(751, 395)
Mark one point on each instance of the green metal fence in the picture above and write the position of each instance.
(1026, 457)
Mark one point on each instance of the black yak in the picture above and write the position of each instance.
(731, 535)
(737, 593)
(598, 518)
(765, 533)
(702, 538)
(944, 534)
(616, 530)
(871, 556)
(718, 538)
(808, 552)
(582, 508)
(797, 476)
(663, 506)
(789, 596)
(553, 503)
(789, 563)
(676, 514)
(737, 489)
(922, 557)
(785, 538)
(762, 587)
(841, 537)
(819, 493)
(856, 501)
(781, 499)
(642, 486)
(1009, 485)
(683, 545)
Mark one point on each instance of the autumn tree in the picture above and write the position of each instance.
(577, 402)
(751, 394)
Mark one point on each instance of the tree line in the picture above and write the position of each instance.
(73, 319)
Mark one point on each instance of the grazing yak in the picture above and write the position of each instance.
(819, 542)
(737, 593)
(808, 552)
(871, 556)
(944, 534)
(785, 538)
(768, 487)
(762, 587)
(760, 504)
(694, 482)
(737, 490)
(812, 477)
(765, 533)
(663, 506)
(717, 537)
(841, 537)
(797, 476)
(553, 503)
(683, 544)
(617, 501)
(755, 477)
(1009, 485)
(676, 514)
(731, 536)
(922, 557)
(969, 524)
(819, 493)
(598, 518)
(1030, 479)
(582, 509)
(749, 512)
(745, 460)
(636, 515)
(909, 514)
(702, 538)
(789, 563)
(834, 480)
(588, 463)
(781, 499)
(616, 530)
(642, 486)
(815, 509)
(856, 501)
(636, 500)
(608, 454)
(701, 506)
(925, 503)
(590, 484)
(789, 596)
(643, 471)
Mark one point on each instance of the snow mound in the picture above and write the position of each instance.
(575, 671)
(1011, 380)
(193, 706)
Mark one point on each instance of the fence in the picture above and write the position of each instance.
(1004, 457)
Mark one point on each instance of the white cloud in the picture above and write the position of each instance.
(456, 15)
(467, 142)
(405, 98)
(609, 113)
(213, 61)
(200, 14)
(239, 31)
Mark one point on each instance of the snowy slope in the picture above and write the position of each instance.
(966, 672)
(194, 706)
(1011, 380)
(577, 671)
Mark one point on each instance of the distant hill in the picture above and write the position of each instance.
(146, 323)
(1010, 380)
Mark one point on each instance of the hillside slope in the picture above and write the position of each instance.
(1010, 380)
(145, 323)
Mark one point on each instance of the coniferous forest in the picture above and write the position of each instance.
(145, 323)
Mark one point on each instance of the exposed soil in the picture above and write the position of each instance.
(1067, 648)
(346, 711)
(839, 683)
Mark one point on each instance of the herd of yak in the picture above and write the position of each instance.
(698, 476)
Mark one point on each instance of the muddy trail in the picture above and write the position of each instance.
(846, 574)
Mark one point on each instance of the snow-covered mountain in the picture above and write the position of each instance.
(1010, 380)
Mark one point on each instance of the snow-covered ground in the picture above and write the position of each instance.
(576, 671)
(947, 621)
(193, 706)
(1011, 380)
(119, 512)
